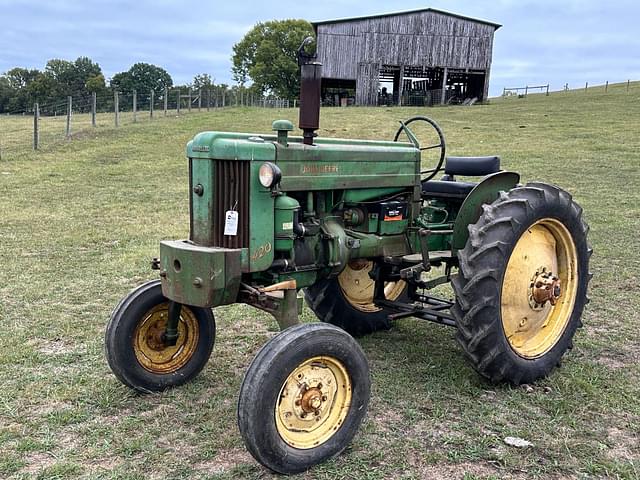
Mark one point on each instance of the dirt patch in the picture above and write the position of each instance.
(37, 462)
(224, 461)
(622, 444)
(447, 471)
(54, 347)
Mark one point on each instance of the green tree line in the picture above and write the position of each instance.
(21, 87)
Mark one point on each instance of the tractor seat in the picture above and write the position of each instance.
(472, 166)
(447, 189)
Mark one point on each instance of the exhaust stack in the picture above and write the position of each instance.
(310, 82)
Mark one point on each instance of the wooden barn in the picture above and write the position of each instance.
(417, 57)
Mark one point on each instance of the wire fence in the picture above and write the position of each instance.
(50, 123)
(523, 92)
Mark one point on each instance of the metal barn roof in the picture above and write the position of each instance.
(405, 12)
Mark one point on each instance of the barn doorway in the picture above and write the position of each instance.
(338, 92)
(423, 86)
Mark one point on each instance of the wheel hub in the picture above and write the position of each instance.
(313, 402)
(545, 287)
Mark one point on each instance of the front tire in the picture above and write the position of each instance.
(522, 284)
(136, 352)
(303, 397)
(347, 301)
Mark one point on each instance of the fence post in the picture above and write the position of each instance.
(189, 107)
(166, 100)
(199, 99)
(586, 85)
(116, 107)
(36, 125)
(178, 104)
(152, 95)
(606, 86)
(526, 91)
(547, 89)
(69, 106)
(93, 109)
(135, 106)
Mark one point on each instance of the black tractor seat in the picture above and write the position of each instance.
(449, 187)
(472, 166)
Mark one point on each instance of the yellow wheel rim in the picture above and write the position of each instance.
(313, 402)
(151, 351)
(358, 287)
(539, 288)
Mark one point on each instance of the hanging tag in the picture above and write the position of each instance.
(231, 223)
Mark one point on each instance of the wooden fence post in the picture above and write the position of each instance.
(135, 106)
(166, 100)
(606, 86)
(189, 107)
(586, 85)
(69, 106)
(178, 107)
(199, 99)
(152, 95)
(36, 125)
(116, 107)
(94, 104)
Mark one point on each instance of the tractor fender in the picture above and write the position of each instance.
(487, 191)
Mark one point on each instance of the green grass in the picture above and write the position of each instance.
(80, 220)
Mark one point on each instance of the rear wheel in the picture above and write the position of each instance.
(522, 285)
(303, 397)
(135, 347)
(347, 301)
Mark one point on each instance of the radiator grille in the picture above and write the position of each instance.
(231, 193)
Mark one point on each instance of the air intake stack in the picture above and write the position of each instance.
(310, 81)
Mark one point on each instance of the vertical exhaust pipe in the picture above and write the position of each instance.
(310, 83)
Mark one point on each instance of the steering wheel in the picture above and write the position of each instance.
(439, 138)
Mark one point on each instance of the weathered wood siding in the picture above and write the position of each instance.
(426, 38)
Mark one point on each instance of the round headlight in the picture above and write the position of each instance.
(269, 175)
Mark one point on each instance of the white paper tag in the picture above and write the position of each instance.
(231, 223)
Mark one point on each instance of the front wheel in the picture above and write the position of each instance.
(135, 347)
(303, 397)
(522, 285)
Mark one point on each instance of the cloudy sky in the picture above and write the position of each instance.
(561, 41)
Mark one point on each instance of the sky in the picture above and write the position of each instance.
(540, 42)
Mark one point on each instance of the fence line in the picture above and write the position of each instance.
(57, 120)
(515, 91)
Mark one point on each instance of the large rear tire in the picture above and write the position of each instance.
(347, 301)
(522, 284)
(134, 343)
(303, 397)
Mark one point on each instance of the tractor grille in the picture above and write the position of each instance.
(231, 193)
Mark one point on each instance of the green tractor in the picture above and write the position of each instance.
(364, 234)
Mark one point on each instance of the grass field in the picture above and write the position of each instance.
(80, 220)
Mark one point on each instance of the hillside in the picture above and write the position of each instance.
(81, 219)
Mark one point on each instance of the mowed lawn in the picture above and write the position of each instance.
(80, 220)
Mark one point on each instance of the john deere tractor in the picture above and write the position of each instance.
(364, 234)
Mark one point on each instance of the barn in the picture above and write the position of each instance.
(417, 57)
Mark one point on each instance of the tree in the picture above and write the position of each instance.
(142, 77)
(203, 81)
(267, 55)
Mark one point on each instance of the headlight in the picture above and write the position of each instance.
(269, 175)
